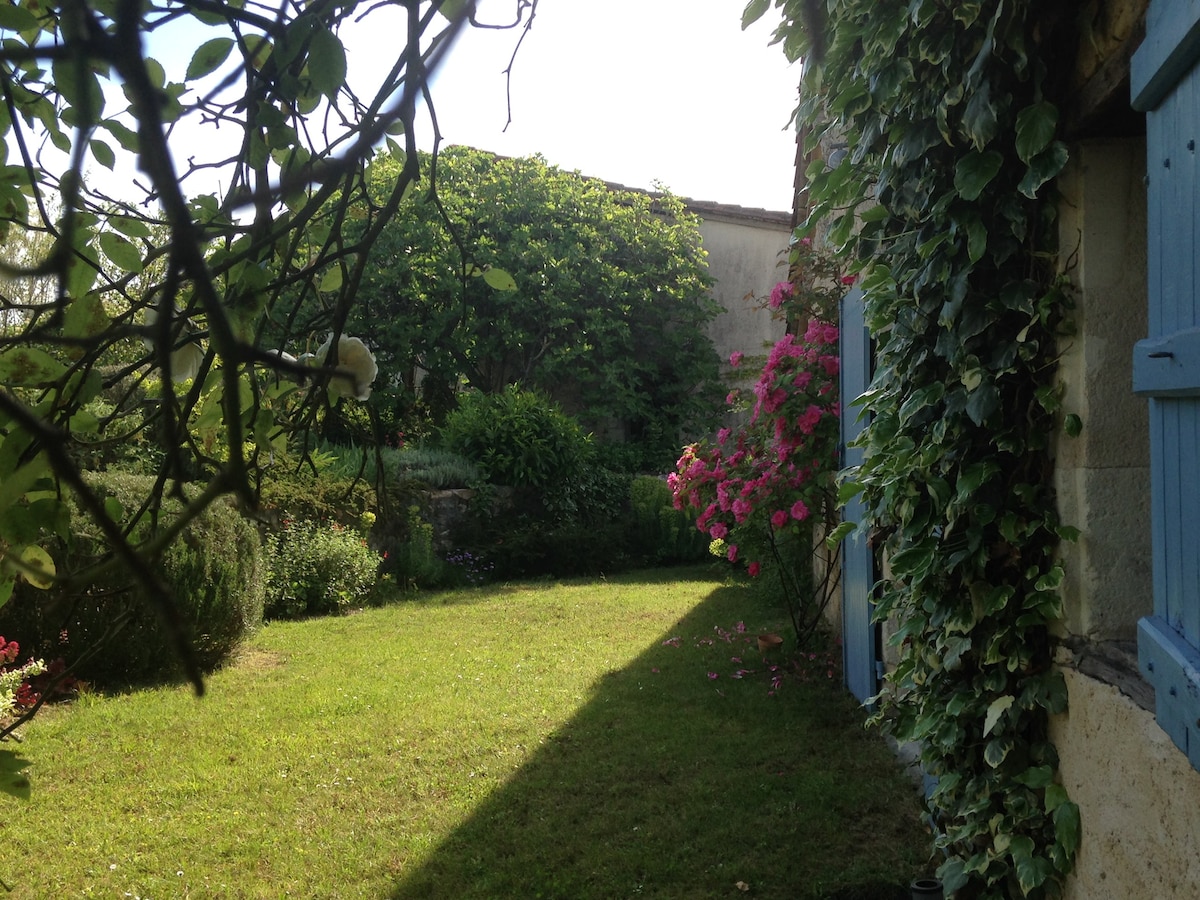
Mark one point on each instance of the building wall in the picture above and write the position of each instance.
(1137, 794)
(746, 256)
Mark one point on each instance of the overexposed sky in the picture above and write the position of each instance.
(631, 91)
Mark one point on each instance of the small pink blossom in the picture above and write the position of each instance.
(717, 531)
(781, 292)
(735, 358)
(799, 511)
(808, 420)
(849, 279)
(732, 553)
(779, 518)
(723, 436)
(754, 568)
(713, 676)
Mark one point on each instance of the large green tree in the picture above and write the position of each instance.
(245, 142)
(512, 271)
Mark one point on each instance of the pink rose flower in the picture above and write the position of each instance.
(754, 568)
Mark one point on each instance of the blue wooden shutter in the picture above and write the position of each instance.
(1166, 366)
(860, 651)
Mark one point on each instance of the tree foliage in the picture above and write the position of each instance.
(512, 271)
(236, 135)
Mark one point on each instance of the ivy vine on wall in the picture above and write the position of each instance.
(944, 199)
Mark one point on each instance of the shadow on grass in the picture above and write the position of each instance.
(13, 780)
(680, 779)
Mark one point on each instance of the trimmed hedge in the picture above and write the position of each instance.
(215, 570)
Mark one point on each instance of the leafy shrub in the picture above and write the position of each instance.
(435, 467)
(661, 533)
(315, 569)
(320, 497)
(410, 558)
(516, 437)
(215, 570)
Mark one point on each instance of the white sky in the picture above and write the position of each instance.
(632, 91)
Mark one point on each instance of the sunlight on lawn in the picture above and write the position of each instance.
(570, 740)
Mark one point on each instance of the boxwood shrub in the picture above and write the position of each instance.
(215, 570)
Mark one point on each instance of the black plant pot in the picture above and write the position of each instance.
(926, 889)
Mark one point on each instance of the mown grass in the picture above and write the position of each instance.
(573, 740)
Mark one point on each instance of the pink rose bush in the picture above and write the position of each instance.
(755, 489)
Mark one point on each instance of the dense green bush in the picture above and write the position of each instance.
(434, 467)
(316, 569)
(517, 438)
(299, 493)
(659, 532)
(409, 557)
(215, 570)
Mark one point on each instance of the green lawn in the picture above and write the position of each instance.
(570, 740)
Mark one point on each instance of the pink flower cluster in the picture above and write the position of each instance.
(771, 472)
(9, 651)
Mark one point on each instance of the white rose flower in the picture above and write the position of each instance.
(186, 359)
(356, 369)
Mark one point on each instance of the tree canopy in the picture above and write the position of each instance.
(512, 271)
(189, 168)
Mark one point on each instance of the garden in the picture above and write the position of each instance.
(375, 528)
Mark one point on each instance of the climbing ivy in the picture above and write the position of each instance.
(943, 198)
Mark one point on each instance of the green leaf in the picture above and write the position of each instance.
(121, 251)
(17, 482)
(453, 9)
(1056, 796)
(976, 240)
(16, 18)
(844, 530)
(499, 279)
(1051, 580)
(1037, 777)
(130, 227)
(80, 87)
(331, 280)
(754, 11)
(983, 403)
(1036, 125)
(326, 62)
(1043, 167)
(1072, 425)
(208, 57)
(1032, 872)
(125, 135)
(975, 171)
(103, 153)
(256, 50)
(113, 508)
(83, 267)
(995, 710)
(1067, 826)
(28, 367)
(36, 567)
(85, 317)
(997, 750)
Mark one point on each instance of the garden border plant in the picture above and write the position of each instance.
(765, 490)
(944, 199)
